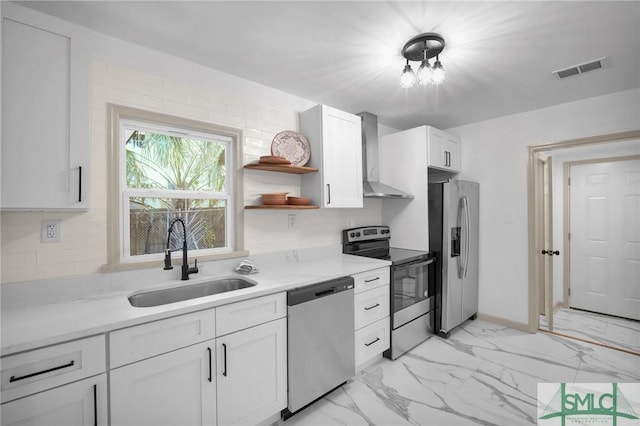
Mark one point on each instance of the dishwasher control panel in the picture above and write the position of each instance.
(316, 291)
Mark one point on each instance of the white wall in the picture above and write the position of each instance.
(494, 153)
(131, 75)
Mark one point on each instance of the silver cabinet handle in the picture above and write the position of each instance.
(328, 193)
(371, 307)
(210, 368)
(372, 280)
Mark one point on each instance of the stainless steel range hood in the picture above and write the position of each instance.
(370, 185)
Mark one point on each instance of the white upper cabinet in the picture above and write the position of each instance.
(336, 150)
(444, 150)
(46, 112)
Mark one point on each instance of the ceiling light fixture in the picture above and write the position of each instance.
(407, 78)
(422, 48)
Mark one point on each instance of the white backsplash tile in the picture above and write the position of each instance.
(84, 240)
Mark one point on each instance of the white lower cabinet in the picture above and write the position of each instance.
(239, 376)
(371, 311)
(63, 384)
(252, 373)
(82, 403)
(176, 388)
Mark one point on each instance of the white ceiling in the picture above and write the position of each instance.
(499, 56)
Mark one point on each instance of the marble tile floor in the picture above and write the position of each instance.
(604, 329)
(484, 374)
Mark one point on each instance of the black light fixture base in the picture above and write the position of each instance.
(430, 43)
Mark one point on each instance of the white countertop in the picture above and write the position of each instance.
(41, 313)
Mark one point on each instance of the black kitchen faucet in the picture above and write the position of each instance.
(186, 270)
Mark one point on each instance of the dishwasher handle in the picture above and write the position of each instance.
(319, 290)
(326, 292)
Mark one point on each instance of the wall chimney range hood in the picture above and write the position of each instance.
(370, 185)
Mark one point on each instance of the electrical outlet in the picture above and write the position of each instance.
(291, 220)
(50, 231)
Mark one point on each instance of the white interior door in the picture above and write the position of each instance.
(605, 238)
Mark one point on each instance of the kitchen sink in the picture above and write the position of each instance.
(187, 292)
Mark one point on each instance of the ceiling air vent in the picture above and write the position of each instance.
(593, 65)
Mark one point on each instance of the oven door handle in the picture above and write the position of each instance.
(414, 264)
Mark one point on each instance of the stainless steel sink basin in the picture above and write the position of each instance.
(187, 292)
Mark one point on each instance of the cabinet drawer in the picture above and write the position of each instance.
(371, 279)
(41, 369)
(371, 306)
(241, 315)
(143, 341)
(372, 340)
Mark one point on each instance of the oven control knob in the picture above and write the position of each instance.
(357, 234)
(353, 234)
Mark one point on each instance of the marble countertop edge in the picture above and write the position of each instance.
(27, 326)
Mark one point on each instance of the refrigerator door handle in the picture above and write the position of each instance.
(461, 238)
(467, 232)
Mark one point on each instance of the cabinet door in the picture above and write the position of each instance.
(452, 147)
(444, 151)
(437, 157)
(46, 112)
(177, 388)
(342, 158)
(252, 373)
(82, 403)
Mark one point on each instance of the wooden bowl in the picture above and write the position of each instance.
(298, 201)
(275, 198)
(272, 159)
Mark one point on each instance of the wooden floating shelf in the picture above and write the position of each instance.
(284, 168)
(281, 206)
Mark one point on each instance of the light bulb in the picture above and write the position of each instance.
(424, 73)
(437, 76)
(407, 78)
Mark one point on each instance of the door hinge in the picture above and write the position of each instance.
(569, 181)
(569, 291)
(569, 236)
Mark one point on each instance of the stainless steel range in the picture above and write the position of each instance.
(413, 290)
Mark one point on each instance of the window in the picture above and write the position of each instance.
(169, 168)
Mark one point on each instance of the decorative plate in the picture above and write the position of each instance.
(292, 146)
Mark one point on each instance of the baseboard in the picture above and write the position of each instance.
(558, 306)
(503, 321)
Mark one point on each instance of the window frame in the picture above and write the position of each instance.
(118, 193)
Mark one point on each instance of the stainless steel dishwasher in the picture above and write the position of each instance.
(321, 348)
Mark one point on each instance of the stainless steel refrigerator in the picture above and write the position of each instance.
(453, 236)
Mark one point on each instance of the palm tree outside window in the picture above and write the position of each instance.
(168, 173)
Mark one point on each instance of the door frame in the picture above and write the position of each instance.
(533, 263)
(544, 234)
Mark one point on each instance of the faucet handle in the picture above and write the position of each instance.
(167, 260)
(194, 270)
